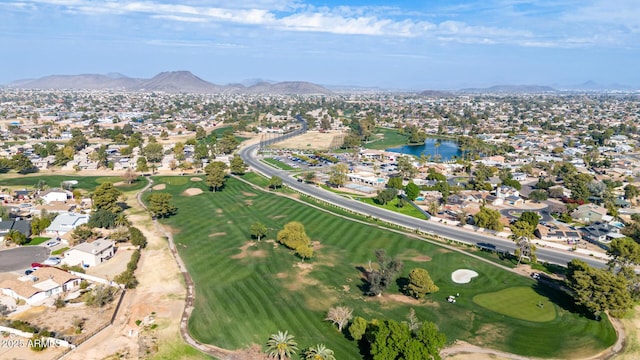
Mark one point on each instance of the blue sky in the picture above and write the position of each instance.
(433, 44)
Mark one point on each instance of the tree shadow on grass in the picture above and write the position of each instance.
(364, 285)
(123, 206)
(402, 283)
(558, 293)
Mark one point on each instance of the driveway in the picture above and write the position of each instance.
(22, 257)
(511, 213)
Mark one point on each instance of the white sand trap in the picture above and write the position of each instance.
(463, 276)
(192, 192)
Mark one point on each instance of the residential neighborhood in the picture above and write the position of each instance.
(479, 164)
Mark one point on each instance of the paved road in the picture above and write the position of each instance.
(249, 155)
(22, 257)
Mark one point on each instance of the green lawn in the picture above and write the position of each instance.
(38, 240)
(60, 251)
(244, 294)
(278, 164)
(88, 183)
(392, 205)
(518, 302)
(385, 138)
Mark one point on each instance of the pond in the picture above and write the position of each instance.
(446, 151)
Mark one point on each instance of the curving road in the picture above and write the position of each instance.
(249, 155)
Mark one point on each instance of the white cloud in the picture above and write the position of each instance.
(462, 27)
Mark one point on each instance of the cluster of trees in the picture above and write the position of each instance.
(416, 134)
(19, 162)
(614, 289)
(359, 130)
(295, 237)
(389, 339)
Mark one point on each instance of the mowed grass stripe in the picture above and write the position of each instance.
(247, 295)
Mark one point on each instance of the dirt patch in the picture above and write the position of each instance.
(302, 278)
(397, 299)
(217, 234)
(248, 202)
(195, 179)
(275, 243)
(414, 255)
(444, 251)
(311, 140)
(277, 217)
(462, 350)
(159, 187)
(422, 258)
(490, 334)
(192, 192)
(248, 194)
(219, 211)
(244, 251)
(281, 275)
(120, 183)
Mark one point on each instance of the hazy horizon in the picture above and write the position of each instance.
(394, 44)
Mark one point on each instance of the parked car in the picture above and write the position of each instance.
(29, 271)
(53, 260)
(52, 243)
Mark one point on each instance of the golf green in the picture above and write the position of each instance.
(518, 302)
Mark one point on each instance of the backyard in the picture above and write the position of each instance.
(253, 289)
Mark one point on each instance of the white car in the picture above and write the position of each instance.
(52, 243)
(53, 260)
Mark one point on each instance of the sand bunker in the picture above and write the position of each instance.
(196, 179)
(463, 276)
(160, 187)
(192, 192)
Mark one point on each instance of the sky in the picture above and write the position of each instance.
(429, 44)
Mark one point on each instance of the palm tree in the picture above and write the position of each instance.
(319, 352)
(121, 220)
(281, 345)
(437, 145)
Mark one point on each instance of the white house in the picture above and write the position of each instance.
(90, 254)
(66, 222)
(40, 285)
(55, 195)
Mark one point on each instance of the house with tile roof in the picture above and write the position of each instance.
(40, 285)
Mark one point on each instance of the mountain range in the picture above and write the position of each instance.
(170, 81)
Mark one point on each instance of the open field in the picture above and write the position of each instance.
(246, 290)
(385, 138)
(310, 141)
(88, 183)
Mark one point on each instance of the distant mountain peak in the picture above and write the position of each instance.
(511, 89)
(167, 81)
